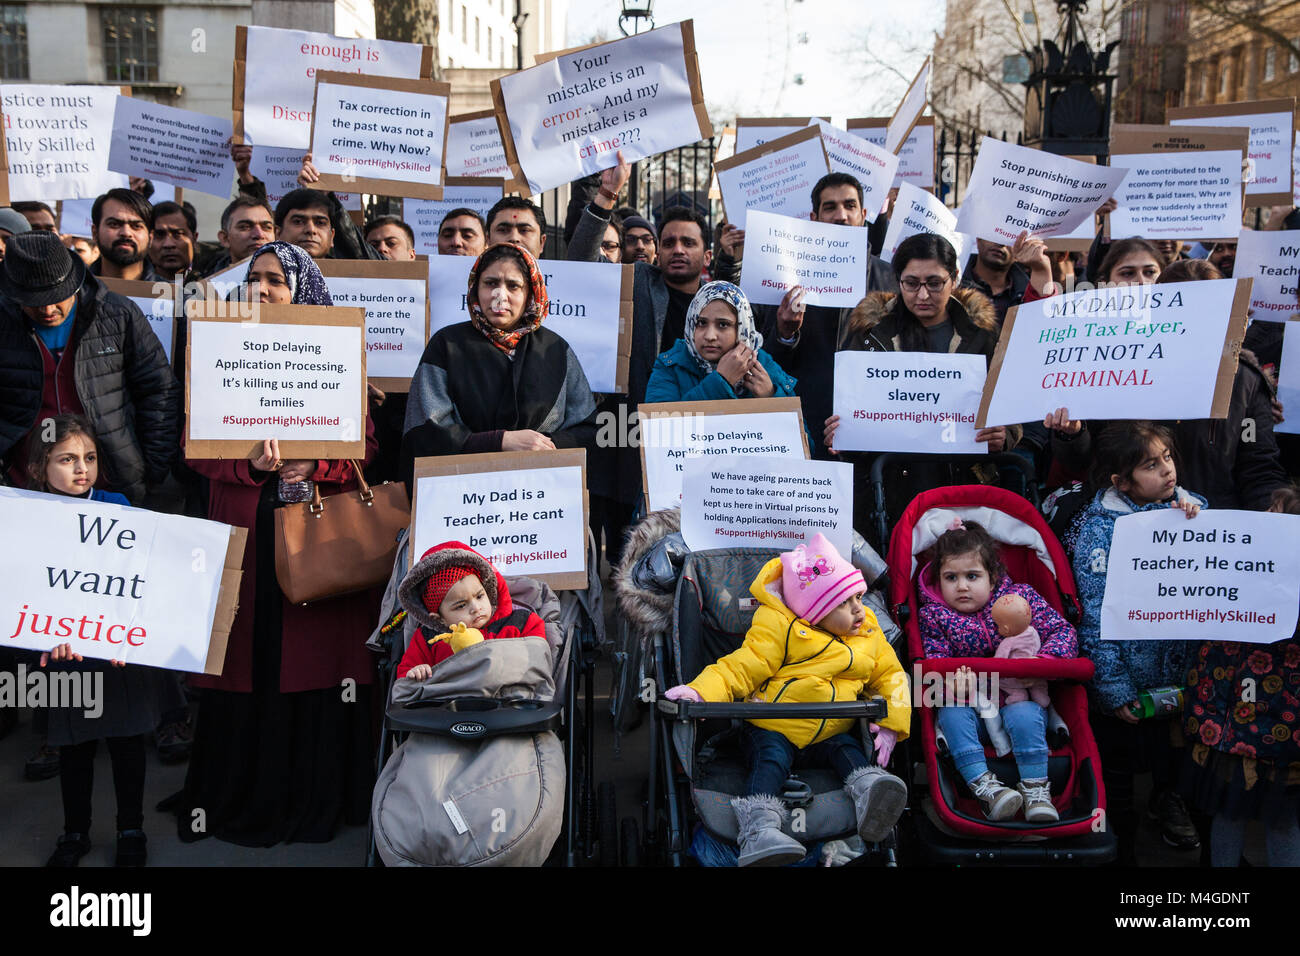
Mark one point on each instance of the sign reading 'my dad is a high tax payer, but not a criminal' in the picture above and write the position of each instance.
(1159, 352)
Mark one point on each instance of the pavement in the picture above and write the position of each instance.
(31, 813)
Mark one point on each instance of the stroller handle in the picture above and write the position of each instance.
(874, 709)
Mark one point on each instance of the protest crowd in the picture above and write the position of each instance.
(988, 472)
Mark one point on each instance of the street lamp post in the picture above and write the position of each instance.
(1067, 105)
(635, 12)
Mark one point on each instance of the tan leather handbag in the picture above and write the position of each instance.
(341, 544)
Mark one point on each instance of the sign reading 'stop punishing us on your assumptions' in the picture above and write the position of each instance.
(568, 116)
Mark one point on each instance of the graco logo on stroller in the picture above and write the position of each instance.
(469, 728)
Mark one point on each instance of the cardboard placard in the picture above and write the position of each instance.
(1272, 136)
(410, 271)
(278, 170)
(1082, 238)
(909, 110)
(118, 582)
(424, 173)
(828, 260)
(915, 156)
(917, 210)
(688, 413)
(167, 144)
(753, 131)
(297, 56)
(1117, 327)
(726, 149)
(160, 297)
(56, 141)
(475, 149)
(491, 464)
(274, 317)
(758, 188)
(1288, 379)
(1128, 143)
(553, 161)
(1272, 260)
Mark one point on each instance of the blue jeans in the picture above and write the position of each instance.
(771, 757)
(1025, 724)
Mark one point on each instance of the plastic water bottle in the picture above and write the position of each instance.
(1160, 702)
(295, 492)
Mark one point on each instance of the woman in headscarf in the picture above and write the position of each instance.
(282, 746)
(719, 356)
(501, 381)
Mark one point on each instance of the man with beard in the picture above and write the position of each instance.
(461, 233)
(175, 234)
(122, 221)
(1223, 256)
(992, 272)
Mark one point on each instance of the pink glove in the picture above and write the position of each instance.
(885, 741)
(682, 692)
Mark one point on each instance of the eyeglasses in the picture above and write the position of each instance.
(640, 240)
(933, 285)
(609, 246)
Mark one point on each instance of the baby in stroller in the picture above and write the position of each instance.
(811, 640)
(959, 586)
(459, 599)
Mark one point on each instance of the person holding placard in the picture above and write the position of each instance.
(1005, 276)
(340, 236)
(1134, 471)
(719, 356)
(296, 678)
(123, 223)
(1242, 769)
(66, 463)
(501, 381)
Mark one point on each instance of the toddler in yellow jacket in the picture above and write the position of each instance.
(811, 641)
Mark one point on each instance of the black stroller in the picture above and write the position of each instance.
(696, 767)
(574, 630)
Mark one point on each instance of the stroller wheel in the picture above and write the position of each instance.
(629, 842)
(607, 824)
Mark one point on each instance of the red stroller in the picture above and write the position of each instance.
(948, 821)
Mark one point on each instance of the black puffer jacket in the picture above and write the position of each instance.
(123, 382)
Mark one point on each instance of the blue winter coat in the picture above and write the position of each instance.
(677, 378)
(1122, 668)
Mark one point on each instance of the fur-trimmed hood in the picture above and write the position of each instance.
(450, 553)
(879, 315)
(647, 610)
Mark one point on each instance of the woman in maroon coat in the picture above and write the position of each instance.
(283, 743)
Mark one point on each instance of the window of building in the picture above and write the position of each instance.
(130, 44)
(501, 48)
(1270, 63)
(13, 42)
(1293, 61)
(1225, 75)
(477, 45)
(489, 46)
(1204, 94)
(464, 25)
(1175, 18)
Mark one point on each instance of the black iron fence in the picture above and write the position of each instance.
(955, 160)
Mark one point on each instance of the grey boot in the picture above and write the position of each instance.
(879, 798)
(761, 841)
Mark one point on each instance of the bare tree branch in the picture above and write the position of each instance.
(1251, 15)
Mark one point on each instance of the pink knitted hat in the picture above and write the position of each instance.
(815, 579)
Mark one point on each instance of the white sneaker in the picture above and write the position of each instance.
(1000, 802)
(1038, 801)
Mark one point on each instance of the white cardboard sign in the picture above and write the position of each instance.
(425, 216)
(1013, 189)
(765, 502)
(908, 401)
(58, 139)
(74, 218)
(1221, 576)
(170, 145)
(909, 110)
(394, 321)
(669, 441)
(474, 148)
(1187, 196)
(280, 77)
(829, 261)
(369, 133)
(1131, 352)
(777, 177)
(915, 159)
(160, 313)
(569, 115)
(1272, 260)
(917, 211)
(1271, 136)
(116, 583)
(251, 380)
(874, 167)
(525, 522)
